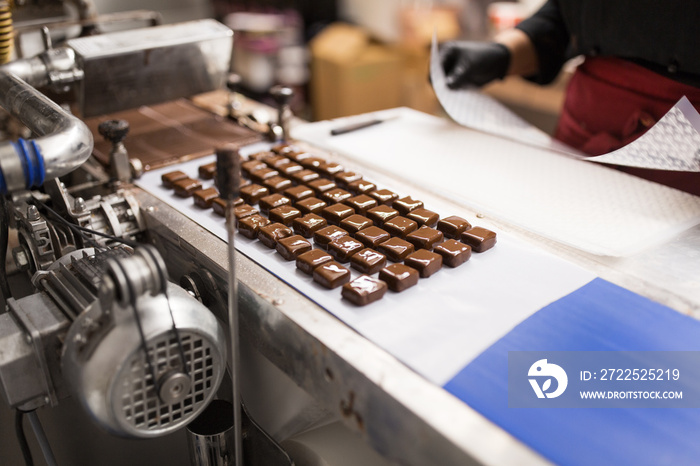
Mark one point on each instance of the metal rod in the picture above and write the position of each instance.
(41, 438)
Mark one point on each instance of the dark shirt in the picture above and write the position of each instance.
(659, 35)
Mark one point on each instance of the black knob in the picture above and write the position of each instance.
(114, 130)
(282, 94)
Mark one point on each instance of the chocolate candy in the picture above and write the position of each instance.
(381, 214)
(273, 232)
(399, 277)
(261, 155)
(252, 193)
(345, 178)
(364, 290)
(425, 237)
(480, 239)
(311, 162)
(207, 171)
(219, 205)
(425, 262)
(308, 224)
(284, 214)
(372, 236)
(297, 155)
(361, 187)
(277, 184)
(328, 234)
(335, 195)
(406, 205)
(310, 205)
(292, 247)
(453, 252)
(274, 161)
(297, 193)
(252, 165)
(384, 196)
(361, 203)
(241, 211)
(368, 261)
(342, 249)
(453, 227)
(308, 261)
(204, 197)
(283, 148)
(304, 176)
(396, 249)
(289, 168)
(171, 177)
(330, 169)
(250, 225)
(321, 185)
(186, 186)
(355, 223)
(331, 275)
(273, 201)
(261, 174)
(337, 212)
(400, 226)
(423, 217)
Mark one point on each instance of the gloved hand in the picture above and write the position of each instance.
(473, 63)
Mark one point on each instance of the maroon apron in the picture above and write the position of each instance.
(610, 102)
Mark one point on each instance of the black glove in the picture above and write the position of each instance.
(473, 63)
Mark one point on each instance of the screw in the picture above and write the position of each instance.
(33, 213)
(79, 205)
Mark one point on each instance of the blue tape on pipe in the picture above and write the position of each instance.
(32, 162)
(39, 166)
(22, 152)
(599, 316)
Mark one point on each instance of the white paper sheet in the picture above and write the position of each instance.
(442, 323)
(673, 143)
(585, 205)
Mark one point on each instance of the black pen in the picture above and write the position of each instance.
(355, 126)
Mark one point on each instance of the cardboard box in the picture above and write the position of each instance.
(351, 75)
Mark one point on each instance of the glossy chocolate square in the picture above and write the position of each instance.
(480, 239)
(261, 174)
(204, 197)
(252, 193)
(307, 225)
(282, 148)
(400, 226)
(328, 234)
(335, 195)
(277, 184)
(261, 155)
(343, 248)
(168, 179)
(453, 252)
(284, 214)
(207, 171)
(368, 261)
(239, 212)
(361, 187)
(273, 201)
(381, 214)
(273, 232)
(425, 262)
(304, 176)
(361, 203)
(308, 261)
(345, 178)
(292, 247)
(355, 223)
(406, 204)
(312, 162)
(251, 165)
(425, 238)
(453, 226)
(274, 161)
(330, 169)
(321, 185)
(250, 225)
(186, 186)
(337, 212)
(396, 249)
(399, 277)
(297, 193)
(331, 275)
(423, 217)
(289, 168)
(310, 205)
(372, 236)
(364, 290)
(384, 196)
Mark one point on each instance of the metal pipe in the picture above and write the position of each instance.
(64, 141)
(41, 438)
